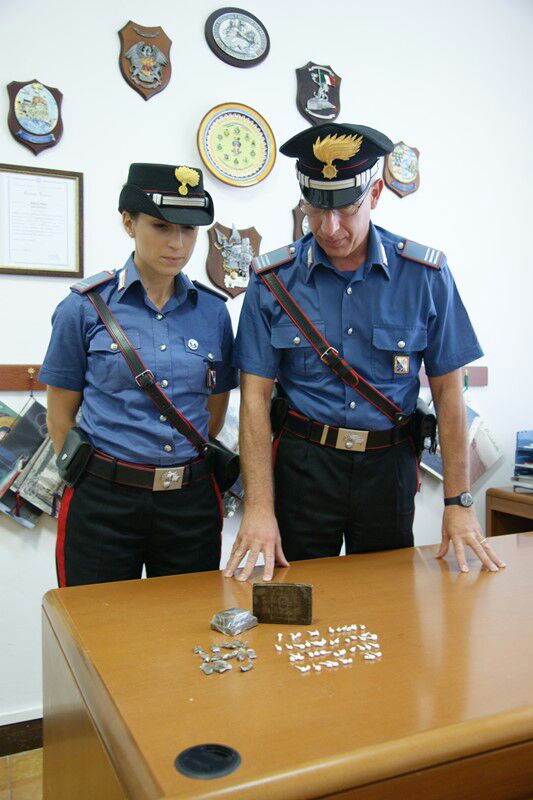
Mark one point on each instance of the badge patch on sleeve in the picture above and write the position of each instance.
(401, 365)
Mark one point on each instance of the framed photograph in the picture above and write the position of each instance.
(236, 144)
(237, 37)
(41, 221)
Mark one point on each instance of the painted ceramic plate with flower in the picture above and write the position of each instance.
(236, 144)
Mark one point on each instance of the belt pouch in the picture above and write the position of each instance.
(224, 463)
(74, 456)
(279, 409)
(425, 427)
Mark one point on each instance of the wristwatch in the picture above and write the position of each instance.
(464, 499)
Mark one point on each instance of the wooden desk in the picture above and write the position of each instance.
(446, 713)
(508, 511)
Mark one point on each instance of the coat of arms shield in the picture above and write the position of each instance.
(229, 257)
(144, 58)
(318, 93)
(35, 114)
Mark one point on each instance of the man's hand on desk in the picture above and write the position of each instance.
(461, 527)
(258, 534)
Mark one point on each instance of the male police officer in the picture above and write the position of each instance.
(345, 464)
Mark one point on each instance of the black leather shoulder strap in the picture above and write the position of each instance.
(144, 378)
(327, 353)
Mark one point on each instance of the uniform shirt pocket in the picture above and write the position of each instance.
(397, 351)
(200, 356)
(106, 365)
(297, 355)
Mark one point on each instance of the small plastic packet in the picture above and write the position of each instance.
(233, 621)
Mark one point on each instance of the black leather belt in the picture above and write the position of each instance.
(156, 479)
(346, 438)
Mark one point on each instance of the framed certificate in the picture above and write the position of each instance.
(41, 221)
(236, 144)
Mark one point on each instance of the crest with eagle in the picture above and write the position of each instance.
(147, 62)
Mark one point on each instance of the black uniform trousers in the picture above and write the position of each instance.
(108, 531)
(324, 496)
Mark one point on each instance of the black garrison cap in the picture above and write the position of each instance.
(336, 162)
(175, 194)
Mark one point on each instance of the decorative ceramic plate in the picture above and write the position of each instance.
(236, 144)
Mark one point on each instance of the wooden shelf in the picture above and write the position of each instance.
(20, 378)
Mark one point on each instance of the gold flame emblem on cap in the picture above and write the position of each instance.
(186, 175)
(333, 147)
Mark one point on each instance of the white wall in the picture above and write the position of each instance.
(451, 78)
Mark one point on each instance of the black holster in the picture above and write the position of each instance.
(226, 464)
(425, 428)
(279, 408)
(74, 456)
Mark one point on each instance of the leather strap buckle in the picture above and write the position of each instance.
(325, 353)
(348, 439)
(145, 379)
(166, 479)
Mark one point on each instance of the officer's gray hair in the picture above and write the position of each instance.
(379, 170)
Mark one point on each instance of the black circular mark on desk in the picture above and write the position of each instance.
(207, 761)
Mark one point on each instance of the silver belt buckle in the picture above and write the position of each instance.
(348, 439)
(168, 478)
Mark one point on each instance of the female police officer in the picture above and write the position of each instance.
(122, 513)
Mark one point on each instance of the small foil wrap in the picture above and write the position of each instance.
(233, 621)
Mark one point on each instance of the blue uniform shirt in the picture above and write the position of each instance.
(176, 343)
(389, 306)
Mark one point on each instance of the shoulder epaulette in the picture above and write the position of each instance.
(210, 290)
(273, 259)
(86, 284)
(420, 253)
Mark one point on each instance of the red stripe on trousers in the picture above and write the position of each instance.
(275, 449)
(220, 504)
(61, 531)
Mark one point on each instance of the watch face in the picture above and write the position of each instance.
(466, 500)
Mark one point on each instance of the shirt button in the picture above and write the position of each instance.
(349, 331)
(162, 418)
(352, 404)
(192, 344)
(401, 344)
(296, 340)
(114, 346)
(159, 316)
(163, 347)
(349, 290)
(167, 448)
(210, 356)
(164, 383)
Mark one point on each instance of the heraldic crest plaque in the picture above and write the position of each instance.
(144, 58)
(402, 170)
(318, 93)
(35, 114)
(229, 257)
